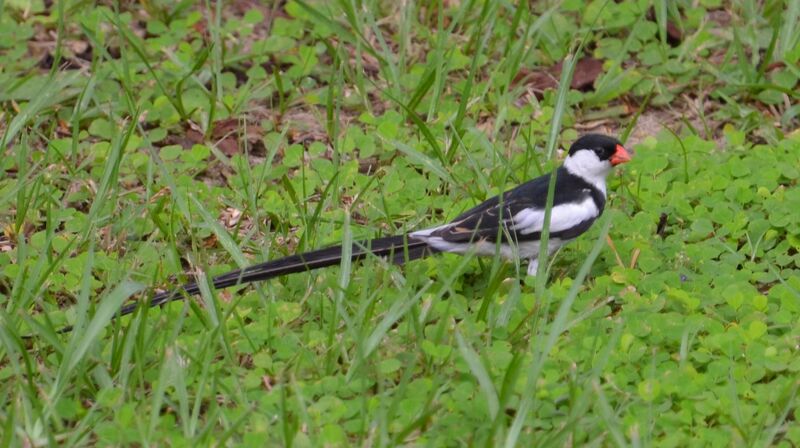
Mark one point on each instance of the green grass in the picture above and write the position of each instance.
(152, 142)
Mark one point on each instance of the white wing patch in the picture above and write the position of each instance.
(563, 217)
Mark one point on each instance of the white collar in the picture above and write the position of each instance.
(586, 165)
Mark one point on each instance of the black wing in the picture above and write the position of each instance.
(493, 218)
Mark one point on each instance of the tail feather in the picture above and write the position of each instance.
(413, 253)
(399, 249)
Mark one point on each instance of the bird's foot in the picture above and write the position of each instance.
(533, 267)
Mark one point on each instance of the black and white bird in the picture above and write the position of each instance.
(509, 224)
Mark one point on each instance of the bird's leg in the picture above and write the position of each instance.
(533, 266)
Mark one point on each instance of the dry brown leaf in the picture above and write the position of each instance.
(304, 127)
(227, 134)
(587, 70)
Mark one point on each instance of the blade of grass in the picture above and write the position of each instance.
(552, 140)
(57, 90)
(423, 128)
(480, 373)
(479, 40)
(217, 46)
(423, 87)
(555, 329)
(108, 183)
(607, 414)
(170, 376)
(398, 309)
(339, 311)
(391, 71)
(767, 58)
(82, 340)
(132, 41)
(431, 165)
(685, 154)
(339, 30)
(790, 30)
(222, 235)
(660, 7)
(783, 418)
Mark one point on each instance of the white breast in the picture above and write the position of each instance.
(563, 217)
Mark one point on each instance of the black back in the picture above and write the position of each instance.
(493, 218)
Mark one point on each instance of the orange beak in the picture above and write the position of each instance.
(621, 155)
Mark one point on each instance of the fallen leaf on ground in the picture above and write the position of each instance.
(587, 70)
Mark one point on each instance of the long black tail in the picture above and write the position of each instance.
(400, 248)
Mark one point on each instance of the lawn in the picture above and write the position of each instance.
(144, 144)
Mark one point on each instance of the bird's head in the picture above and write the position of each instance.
(593, 155)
